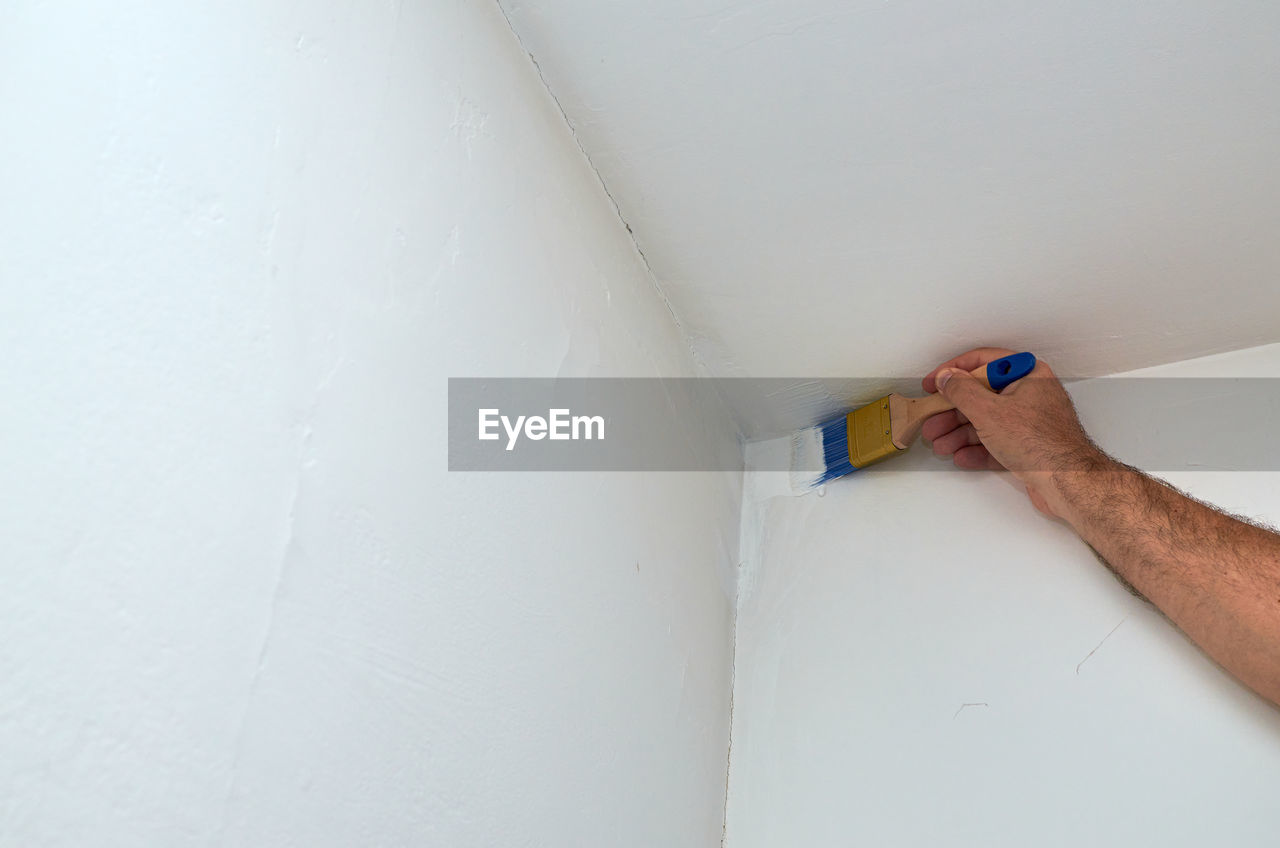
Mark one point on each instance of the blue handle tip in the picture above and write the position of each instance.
(1007, 369)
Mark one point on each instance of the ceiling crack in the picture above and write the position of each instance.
(644, 260)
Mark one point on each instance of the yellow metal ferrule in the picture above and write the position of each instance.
(870, 434)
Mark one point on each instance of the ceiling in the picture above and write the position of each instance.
(847, 188)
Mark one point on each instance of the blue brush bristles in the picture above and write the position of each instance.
(835, 449)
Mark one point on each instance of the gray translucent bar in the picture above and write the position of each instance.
(649, 424)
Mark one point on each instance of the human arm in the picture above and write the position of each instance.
(1215, 576)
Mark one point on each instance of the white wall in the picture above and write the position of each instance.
(243, 246)
(856, 187)
(872, 615)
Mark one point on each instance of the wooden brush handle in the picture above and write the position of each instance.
(907, 415)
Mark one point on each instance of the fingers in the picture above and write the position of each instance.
(961, 437)
(942, 423)
(976, 458)
(967, 362)
(951, 434)
(965, 448)
(966, 392)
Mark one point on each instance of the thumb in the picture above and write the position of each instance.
(966, 391)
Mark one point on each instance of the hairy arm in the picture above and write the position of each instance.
(1215, 576)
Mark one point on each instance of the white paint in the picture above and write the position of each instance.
(244, 604)
(830, 188)
(922, 659)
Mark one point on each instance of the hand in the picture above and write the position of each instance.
(1031, 428)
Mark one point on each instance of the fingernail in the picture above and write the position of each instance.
(943, 378)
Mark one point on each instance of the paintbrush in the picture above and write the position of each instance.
(888, 426)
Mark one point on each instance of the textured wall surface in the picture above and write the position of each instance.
(923, 659)
(835, 188)
(243, 246)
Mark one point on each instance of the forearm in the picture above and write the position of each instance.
(1215, 576)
